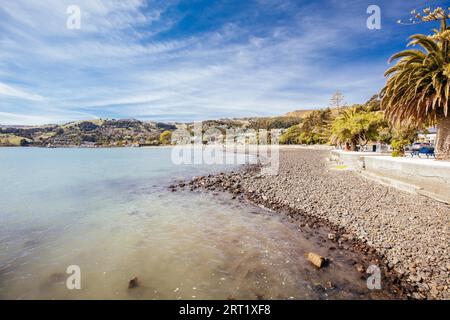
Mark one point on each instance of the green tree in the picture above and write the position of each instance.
(402, 136)
(165, 137)
(417, 90)
(354, 126)
(315, 128)
(374, 103)
(291, 136)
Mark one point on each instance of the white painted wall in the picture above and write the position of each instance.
(424, 176)
(428, 174)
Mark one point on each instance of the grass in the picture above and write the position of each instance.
(10, 140)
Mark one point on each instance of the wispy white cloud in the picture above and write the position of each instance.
(8, 118)
(133, 59)
(9, 91)
(49, 117)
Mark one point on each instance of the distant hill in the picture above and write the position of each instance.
(299, 113)
(100, 132)
(126, 132)
(255, 123)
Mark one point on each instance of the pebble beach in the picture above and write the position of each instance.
(406, 234)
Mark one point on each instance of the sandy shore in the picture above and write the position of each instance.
(407, 234)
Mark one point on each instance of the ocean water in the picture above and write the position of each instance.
(109, 212)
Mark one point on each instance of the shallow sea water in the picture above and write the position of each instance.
(109, 212)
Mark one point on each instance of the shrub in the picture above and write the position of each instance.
(165, 137)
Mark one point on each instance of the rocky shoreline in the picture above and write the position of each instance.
(405, 235)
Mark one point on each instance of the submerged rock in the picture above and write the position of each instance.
(134, 283)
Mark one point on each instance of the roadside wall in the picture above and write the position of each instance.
(423, 176)
(430, 176)
(352, 159)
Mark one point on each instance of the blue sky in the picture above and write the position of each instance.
(191, 60)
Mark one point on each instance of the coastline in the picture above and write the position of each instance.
(405, 236)
(134, 227)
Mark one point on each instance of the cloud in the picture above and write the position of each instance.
(9, 91)
(173, 60)
(8, 118)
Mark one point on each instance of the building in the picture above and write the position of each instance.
(428, 136)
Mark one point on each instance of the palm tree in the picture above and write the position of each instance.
(357, 126)
(417, 90)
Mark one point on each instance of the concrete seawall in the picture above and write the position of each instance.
(354, 160)
(426, 177)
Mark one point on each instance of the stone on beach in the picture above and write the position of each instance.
(316, 259)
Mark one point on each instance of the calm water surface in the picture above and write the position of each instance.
(109, 212)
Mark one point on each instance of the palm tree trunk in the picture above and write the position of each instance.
(443, 139)
(347, 146)
(354, 145)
